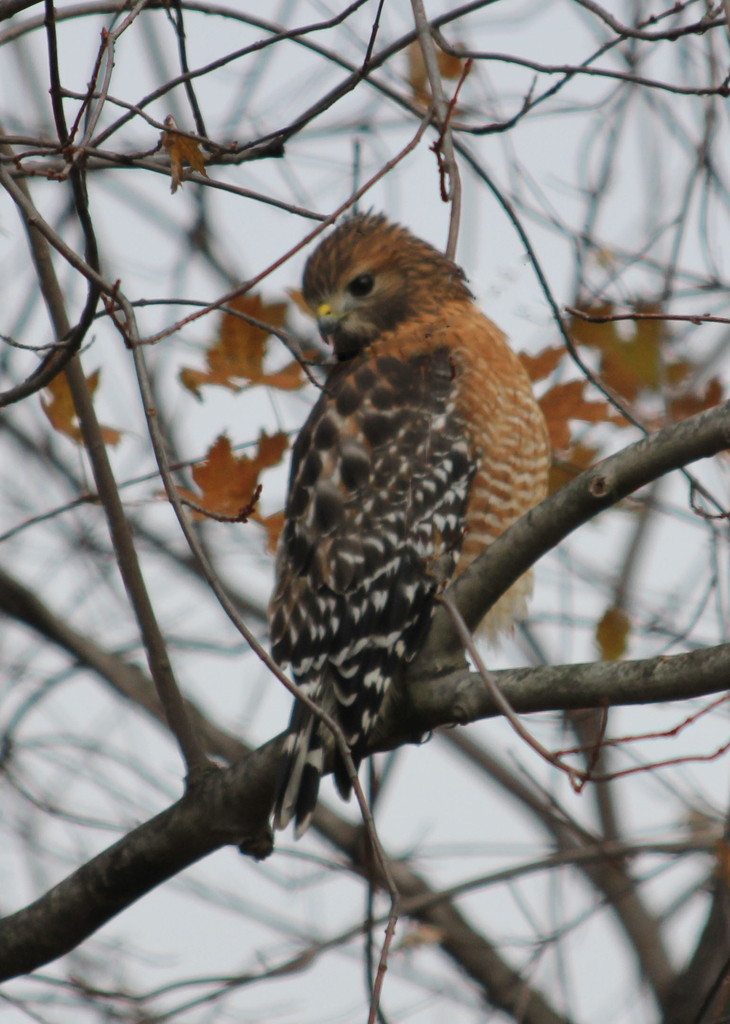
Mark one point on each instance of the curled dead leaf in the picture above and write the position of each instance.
(182, 151)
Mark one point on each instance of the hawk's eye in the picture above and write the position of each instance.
(361, 285)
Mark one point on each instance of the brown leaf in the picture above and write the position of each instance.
(612, 634)
(583, 332)
(417, 77)
(567, 468)
(271, 449)
(565, 402)
(449, 66)
(229, 482)
(273, 525)
(238, 354)
(626, 366)
(542, 365)
(687, 405)
(60, 410)
(181, 150)
(677, 373)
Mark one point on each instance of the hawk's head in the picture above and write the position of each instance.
(368, 276)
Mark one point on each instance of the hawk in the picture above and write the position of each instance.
(426, 441)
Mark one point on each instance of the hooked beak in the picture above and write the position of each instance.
(327, 320)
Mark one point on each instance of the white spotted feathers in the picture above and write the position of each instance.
(378, 490)
(427, 400)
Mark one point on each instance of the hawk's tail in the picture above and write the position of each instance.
(302, 765)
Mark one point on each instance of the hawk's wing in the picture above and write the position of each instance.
(378, 491)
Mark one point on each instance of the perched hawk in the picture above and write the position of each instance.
(426, 440)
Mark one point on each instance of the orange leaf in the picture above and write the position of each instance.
(181, 149)
(271, 449)
(193, 379)
(417, 77)
(565, 402)
(687, 405)
(450, 67)
(542, 365)
(273, 525)
(229, 482)
(626, 366)
(290, 378)
(60, 410)
(612, 634)
(238, 354)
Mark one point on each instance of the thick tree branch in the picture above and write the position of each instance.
(233, 805)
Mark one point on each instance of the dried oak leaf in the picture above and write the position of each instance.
(612, 634)
(181, 150)
(565, 402)
(236, 359)
(60, 410)
(681, 407)
(542, 365)
(228, 482)
(273, 525)
(627, 366)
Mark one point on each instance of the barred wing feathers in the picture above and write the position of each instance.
(378, 491)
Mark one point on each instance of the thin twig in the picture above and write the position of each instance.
(577, 777)
(179, 26)
(248, 285)
(698, 319)
(442, 111)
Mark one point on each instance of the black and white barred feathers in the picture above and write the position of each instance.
(379, 488)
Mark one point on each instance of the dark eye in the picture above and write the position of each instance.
(361, 285)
